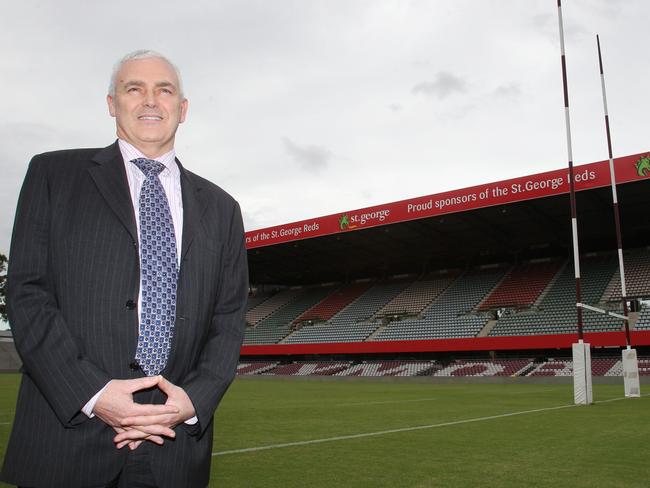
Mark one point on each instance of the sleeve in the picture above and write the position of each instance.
(50, 356)
(217, 364)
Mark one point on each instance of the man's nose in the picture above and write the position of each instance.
(150, 99)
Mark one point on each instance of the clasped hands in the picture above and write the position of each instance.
(134, 422)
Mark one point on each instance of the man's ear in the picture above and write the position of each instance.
(111, 105)
(184, 105)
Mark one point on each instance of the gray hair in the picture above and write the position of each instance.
(142, 54)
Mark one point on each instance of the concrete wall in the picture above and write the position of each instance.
(9, 359)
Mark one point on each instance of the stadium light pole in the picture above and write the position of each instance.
(630, 362)
(582, 388)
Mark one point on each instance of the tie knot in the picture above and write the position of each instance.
(148, 166)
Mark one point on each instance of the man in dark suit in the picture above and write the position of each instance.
(126, 294)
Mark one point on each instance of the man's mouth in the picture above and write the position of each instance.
(150, 117)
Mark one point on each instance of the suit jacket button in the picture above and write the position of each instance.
(134, 366)
(130, 304)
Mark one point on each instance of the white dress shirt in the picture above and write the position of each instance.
(170, 179)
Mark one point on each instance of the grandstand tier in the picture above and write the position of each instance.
(446, 307)
(481, 268)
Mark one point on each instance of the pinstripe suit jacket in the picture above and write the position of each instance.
(74, 270)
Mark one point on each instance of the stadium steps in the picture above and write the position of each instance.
(526, 370)
(637, 270)
(643, 319)
(270, 306)
(277, 326)
(431, 371)
(333, 303)
(449, 315)
(482, 367)
(379, 330)
(326, 332)
(551, 283)
(255, 367)
(486, 330)
(634, 318)
(301, 330)
(556, 312)
(416, 297)
(522, 285)
(257, 298)
(479, 306)
(366, 305)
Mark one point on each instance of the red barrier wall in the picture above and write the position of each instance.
(550, 341)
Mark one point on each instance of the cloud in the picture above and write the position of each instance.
(446, 84)
(310, 157)
(511, 90)
(544, 21)
(18, 143)
(547, 25)
(395, 107)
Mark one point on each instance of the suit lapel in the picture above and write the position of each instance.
(110, 177)
(194, 205)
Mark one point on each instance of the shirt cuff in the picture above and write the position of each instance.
(192, 421)
(90, 406)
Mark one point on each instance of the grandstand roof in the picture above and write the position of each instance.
(521, 218)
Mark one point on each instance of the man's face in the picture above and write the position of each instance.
(147, 105)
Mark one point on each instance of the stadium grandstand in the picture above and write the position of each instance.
(472, 282)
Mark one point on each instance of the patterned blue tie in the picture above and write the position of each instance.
(158, 271)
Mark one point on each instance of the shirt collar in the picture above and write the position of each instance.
(130, 152)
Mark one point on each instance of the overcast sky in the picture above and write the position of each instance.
(305, 108)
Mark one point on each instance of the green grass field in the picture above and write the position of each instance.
(457, 444)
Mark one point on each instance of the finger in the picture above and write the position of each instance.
(155, 430)
(141, 410)
(156, 440)
(143, 432)
(164, 385)
(120, 445)
(134, 445)
(142, 383)
(166, 419)
(130, 435)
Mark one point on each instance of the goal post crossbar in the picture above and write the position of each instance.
(603, 311)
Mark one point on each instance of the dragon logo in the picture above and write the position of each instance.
(643, 165)
(344, 222)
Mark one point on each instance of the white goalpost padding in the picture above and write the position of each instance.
(582, 388)
(631, 373)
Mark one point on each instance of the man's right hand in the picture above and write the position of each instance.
(116, 404)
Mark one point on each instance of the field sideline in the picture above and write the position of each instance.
(296, 433)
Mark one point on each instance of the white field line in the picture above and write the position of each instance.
(404, 429)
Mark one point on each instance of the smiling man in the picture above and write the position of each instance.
(126, 296)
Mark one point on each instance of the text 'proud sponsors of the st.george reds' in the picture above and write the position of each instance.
(593, 175)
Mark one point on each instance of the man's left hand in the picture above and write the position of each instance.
(136, 425)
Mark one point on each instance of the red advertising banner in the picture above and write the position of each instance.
(587, 176)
